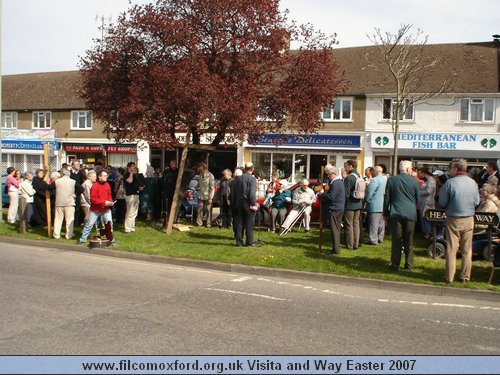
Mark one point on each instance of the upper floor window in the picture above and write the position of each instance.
(477, 110)
(341, 111)
(406, 111)
(41, 120)
(81, 120)
(9, 120)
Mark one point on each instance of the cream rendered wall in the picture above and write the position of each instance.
(439, 115)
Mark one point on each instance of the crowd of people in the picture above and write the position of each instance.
(81, 196)
(350, 202)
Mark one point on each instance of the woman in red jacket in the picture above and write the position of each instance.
(101, 203)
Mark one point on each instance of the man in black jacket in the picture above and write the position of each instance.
(234, 198)
(490, 171)
(169, 179)
(247, 202)
(77, 174)
(335, 200)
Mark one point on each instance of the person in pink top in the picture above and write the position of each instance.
(12, 184)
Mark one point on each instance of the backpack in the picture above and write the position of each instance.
(359, 188)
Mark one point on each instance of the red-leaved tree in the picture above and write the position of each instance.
(218, 67)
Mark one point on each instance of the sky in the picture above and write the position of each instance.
(52, 35)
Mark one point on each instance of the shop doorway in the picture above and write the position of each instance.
(315, 163)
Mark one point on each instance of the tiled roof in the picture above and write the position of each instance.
(476, 65)
(55, 90)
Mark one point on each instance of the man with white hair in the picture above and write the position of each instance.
(374, 208)
(303, 197)
(400, 204)
(66, 191)
(334, 199)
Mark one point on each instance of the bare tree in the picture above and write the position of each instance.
(403, 61)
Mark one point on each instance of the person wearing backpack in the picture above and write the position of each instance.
(355, 187)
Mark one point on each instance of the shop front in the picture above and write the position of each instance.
(294, 157)
(24, 149)
(100, 154)
(434, 150)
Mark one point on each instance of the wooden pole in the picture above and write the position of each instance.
(173, 208)
(320, 196)
(47, 193)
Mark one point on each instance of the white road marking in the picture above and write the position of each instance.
(247, 294)
(441, 304)
(461, 324)
(327, 291)
(241, 279)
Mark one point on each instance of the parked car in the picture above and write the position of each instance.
(264, 216)
(5, 196)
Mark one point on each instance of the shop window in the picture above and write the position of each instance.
(300, 166)
(406, 112)
(81, 120)
(282, 165)
(262, 164)
(9, 120)
(41, 120)
(477, 110)
(341, 111)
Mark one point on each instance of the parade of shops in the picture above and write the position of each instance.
(41, 108)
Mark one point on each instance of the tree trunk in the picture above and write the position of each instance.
(182, 165)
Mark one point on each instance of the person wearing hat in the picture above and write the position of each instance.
(438, 172)
(279, 208)
(247, 204)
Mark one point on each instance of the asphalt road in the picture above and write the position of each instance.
(64, 302)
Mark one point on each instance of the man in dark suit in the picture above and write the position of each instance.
(400, 204)
(247, 202)
(490, 172)
(234, 198)
(77, 174)
(335, 201)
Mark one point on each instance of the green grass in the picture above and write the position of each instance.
(295, 251)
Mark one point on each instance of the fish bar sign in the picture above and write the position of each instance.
(484, 218)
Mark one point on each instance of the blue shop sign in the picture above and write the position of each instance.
(309, 140)
(26, 145)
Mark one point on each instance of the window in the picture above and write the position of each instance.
(41, 120)
(9, 120)
(477, 110)
(341, 111)
(81, 120)
(405, 112)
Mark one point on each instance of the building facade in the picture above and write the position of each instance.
(48, 103)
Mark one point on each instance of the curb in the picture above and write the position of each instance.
(447, 291)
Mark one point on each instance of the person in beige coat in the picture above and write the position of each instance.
(66, 192)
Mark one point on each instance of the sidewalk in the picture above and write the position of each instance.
(268, 272)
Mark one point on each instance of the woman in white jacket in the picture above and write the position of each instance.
(26, 193)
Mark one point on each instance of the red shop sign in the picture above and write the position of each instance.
(121, 149)
(83, 148)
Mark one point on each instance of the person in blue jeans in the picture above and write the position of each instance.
(101, 202)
